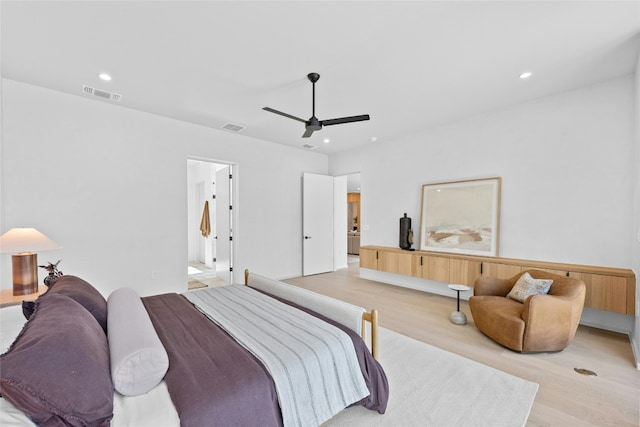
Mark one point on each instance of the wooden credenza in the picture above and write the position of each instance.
(608, 289)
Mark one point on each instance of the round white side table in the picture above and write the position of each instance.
(458, 317)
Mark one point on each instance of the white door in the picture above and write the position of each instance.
(317, 224)
(223, 224)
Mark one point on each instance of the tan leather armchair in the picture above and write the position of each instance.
(542, 323)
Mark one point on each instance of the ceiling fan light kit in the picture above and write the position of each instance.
(313, 124)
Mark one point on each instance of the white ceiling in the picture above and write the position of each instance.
(409, 65)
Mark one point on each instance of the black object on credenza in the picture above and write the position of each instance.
(406, 233)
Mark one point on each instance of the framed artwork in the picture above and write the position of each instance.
(461, 217)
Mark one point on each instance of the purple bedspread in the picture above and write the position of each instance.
(214, 381)
(211, 379)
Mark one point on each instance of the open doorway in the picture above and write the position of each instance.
(353, 218)
(318, 191)
(210, 223)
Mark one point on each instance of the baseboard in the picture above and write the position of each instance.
(431, 286)
(607, 320)
(634, 337)
(636, 350)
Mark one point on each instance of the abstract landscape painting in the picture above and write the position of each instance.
(461, 216)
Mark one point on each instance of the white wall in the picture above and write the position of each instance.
(566, 167)
(110, 185)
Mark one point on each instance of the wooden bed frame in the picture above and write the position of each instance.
(371, 317)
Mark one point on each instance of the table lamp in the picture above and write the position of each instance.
(22, 243)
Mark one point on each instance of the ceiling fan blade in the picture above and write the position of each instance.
(345, 120)
(271, 110)
(307, 133)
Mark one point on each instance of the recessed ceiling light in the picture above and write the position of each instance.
(104, 76)
(326, 140)
(373, 139)
(525, 75)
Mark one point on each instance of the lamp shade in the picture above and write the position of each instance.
(19, 240)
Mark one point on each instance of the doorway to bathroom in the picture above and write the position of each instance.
(210, 200)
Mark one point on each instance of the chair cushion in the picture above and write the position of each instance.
(527, 286)
(499, 318)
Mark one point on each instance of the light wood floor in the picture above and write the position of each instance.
(565, 398)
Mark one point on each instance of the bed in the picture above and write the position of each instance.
(263, 353)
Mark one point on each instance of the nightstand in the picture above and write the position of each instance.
(7, 298)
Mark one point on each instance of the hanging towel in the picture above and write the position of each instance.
(205, 226)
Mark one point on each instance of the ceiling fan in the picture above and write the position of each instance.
(313, 124)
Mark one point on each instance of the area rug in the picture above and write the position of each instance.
(196, 284)
(432, 387)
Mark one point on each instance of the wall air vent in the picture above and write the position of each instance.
(232, 127)
(309, 146)
(101, 93)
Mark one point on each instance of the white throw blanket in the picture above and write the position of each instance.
(313, 364)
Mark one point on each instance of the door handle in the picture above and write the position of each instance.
(307, 237)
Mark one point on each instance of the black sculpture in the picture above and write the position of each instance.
(406, 233)
(54, 273)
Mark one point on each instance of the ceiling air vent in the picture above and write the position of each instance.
(232, 127)
(101, 93)
(309, 146)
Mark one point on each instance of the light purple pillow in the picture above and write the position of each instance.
(138, 358)
(57, 370)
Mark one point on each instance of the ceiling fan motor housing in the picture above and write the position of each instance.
(313, 124)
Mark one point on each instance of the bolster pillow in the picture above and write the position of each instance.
(342, 312)
(139, 361)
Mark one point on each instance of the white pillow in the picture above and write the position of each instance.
(527, 286)
(139, 361)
